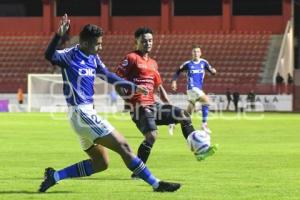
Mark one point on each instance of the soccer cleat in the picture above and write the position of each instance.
(206, 129)
(49, 180)
(171, 128)
(210, 151)
(135, 177)
(167, 187)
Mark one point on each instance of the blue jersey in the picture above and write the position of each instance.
(195, 72)
(79, 72)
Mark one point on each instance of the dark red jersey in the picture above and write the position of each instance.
(143, 72)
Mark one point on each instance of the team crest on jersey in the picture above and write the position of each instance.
(124, 63)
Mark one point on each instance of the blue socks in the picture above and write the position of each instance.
(85, 168)
(140, 169)
(81, 169)
(204, 113)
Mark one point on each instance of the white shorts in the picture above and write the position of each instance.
(194, 94)
(88, 125)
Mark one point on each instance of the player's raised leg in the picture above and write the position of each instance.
(98, 162)
(179, 115)
(117, 143)
(91, 130)
(173, 114)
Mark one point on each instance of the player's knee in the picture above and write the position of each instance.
(184, 116)
(124, 146)
(150, 137)
(205, 101)
(100, 165)
(104, 165)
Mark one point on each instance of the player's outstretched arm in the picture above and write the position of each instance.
(50, 51)
(213, 71)
(113, 79)
(176, 75)
(174, 85)
(210, 69)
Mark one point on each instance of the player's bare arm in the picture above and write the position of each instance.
(163, 94)
(213, 71)
(174, 85)
(50, 51)
(176, 75)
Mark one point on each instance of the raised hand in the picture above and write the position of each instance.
(64, 25)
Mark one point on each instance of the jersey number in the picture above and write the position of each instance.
(95, 119)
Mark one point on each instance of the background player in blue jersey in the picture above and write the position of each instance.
(195, 70)
(80, 65)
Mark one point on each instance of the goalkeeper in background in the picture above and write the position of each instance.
(195, 69)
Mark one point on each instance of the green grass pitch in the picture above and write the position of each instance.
(258, 159)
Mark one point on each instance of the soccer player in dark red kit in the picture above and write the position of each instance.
(142, 70)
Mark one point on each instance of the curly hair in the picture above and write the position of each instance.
(142, 30)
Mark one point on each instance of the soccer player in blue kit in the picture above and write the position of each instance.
(195, 70)
(80, 65)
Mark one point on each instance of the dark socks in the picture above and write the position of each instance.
(144, 151)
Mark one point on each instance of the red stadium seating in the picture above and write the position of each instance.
(237, 56)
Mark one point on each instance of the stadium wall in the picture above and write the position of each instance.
(17, 25)
(166, 22)
(275, 24)
(78, 22)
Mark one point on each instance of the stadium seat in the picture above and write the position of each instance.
(24, 53)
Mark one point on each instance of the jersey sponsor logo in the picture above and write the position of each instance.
(196, 71)
(144, 80)
(87, 72)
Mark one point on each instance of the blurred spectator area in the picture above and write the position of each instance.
(238, 56)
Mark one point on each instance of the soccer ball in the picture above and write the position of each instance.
(198, 141)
